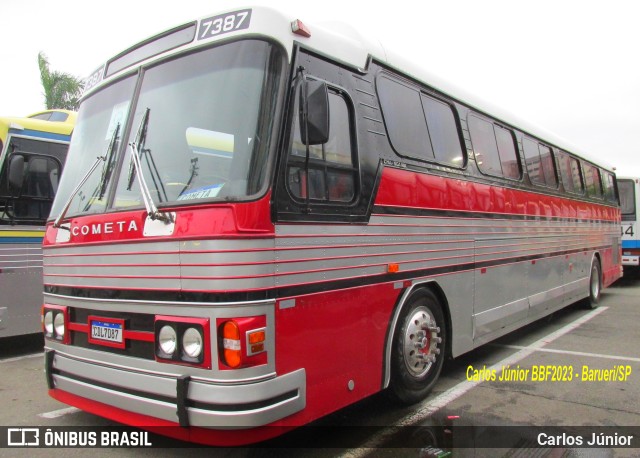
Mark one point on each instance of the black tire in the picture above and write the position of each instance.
(418, 348)
(595, 285)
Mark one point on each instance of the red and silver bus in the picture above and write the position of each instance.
(283, 219)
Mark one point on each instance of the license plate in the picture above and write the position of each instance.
(106, 331)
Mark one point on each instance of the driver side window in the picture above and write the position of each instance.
(332, 171)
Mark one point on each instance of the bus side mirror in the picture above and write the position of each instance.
(16, 173)
(314, 130)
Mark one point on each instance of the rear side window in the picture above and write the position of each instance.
(609, 187)
(570, 173)
(541, 166)
(494, 148)
(592, 181)
(419, 126)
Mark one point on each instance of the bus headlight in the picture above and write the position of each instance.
(167, 340)
(192, 342)
(58, 325)
(183, 340)
(55, 321)
(48, 323)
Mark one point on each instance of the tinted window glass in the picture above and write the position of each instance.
(405, 120)
(332, 170)
(627, 197)
(570, 173)
(533, 161)
(507, 152)
(485, 147)
(609, 187)
(58, 116)
(39, 185)
(548, 166)
(494, 148)
(592, 181)
(419, 126)
(443, 131)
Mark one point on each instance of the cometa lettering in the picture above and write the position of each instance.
(117, 227)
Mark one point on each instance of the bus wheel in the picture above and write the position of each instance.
(418, 349)
(595, 285)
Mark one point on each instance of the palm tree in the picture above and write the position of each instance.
(61, 90)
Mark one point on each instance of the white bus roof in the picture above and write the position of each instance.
(345, 44)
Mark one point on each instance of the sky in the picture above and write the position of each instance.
(571, 67)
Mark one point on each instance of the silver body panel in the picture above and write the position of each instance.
(20, 281)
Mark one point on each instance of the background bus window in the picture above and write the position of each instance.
(627, 199)
(40, 182)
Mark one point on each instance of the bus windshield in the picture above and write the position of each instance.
(204, 135)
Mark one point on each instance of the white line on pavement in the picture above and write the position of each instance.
(59, 413)
(20, 358)
(574, 353)
(433, 405)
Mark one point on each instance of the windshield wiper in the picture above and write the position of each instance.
(152, 211)
(108, 153)
(108, 167)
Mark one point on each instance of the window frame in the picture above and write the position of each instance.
(539, 145)
(321, 164)
(597, 181)
(571, 157)
(511, 132)
(421, 93)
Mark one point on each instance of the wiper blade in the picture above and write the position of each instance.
(139, 140)
(65, 209)
(108, 153)
(152, 211)
(108, 167)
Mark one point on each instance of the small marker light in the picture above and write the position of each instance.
(299, 28)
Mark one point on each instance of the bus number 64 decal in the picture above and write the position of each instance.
(224, 23)
(627, 231)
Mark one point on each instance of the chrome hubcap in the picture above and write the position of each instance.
(421, 341)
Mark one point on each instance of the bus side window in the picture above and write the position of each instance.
(494, 148)
(419, 126)
(332, 167)
(609, 187)
(570, 173)
(592, 181)
(540, 163)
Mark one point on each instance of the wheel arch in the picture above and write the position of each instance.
(406, 295)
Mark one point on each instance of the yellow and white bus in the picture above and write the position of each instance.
(33, 150)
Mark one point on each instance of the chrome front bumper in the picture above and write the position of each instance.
(180, 399)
